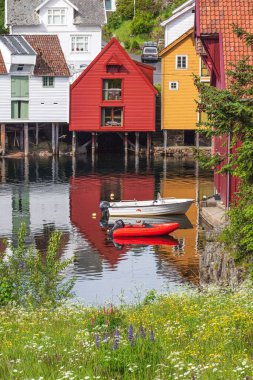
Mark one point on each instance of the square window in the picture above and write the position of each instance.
(48, 81)
(182, 62)
(112, 117)
(57, 16)
(80, 44)
(173, 85)
(112, 89)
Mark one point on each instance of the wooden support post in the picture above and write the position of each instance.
(3, 139)
(148, 143)
(93, 142)
(53, 139)
(57, 138)
(137, 143)
(21, 139)
(73, 143)
(197, 139)
(126, 143)
(26, 139)
(37, 134)
(165, 140)
(3, 170)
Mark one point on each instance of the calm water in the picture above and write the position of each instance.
(64, 194)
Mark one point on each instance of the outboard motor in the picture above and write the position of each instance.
(104, 205)
(118, 224)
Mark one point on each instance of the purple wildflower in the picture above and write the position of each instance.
(131, 335)
(142, 332)
(152, 335)
(116, 339)
(97, 341)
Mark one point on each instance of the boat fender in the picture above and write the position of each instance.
(118, 224)
(104, 205)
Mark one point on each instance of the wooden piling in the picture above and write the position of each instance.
(37, 134)
(53, 140)
(3, 139)
(197, 139)
(126, 143)
(165, 140)
(21, 139)
(148, 143)
(93, 142)
(137, 143)
(73, 143)
(57, 138)
(26, 139)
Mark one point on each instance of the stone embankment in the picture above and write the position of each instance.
(217, 266)
(177, 151)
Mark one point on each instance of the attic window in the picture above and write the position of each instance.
(113, 68)
(20, 67)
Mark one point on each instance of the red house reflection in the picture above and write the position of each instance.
(86, 194)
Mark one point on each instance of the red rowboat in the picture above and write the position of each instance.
(145, 230)
(149, 240)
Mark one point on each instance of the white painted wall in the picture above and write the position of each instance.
(6, 55)
(65, 32)
(56, 101)
(177, 27)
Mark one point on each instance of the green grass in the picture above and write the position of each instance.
(198, 336)
(123, 34)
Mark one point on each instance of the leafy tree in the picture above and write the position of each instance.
(142, 23)
(230, 113)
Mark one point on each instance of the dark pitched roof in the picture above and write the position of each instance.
(2, 65)
(50, 58)
(217, 16)
(23, 12)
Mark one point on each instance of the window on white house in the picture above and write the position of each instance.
(173, 85)
(57, 16)
(80, 43)
(182, 62)
(48, 81)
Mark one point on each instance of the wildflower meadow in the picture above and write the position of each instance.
(197, 335)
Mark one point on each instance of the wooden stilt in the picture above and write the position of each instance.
(73, 143)
(126, 143)
(165, 140)
(53, 139)
(197, 139)
(137, 143)
(3, 139)
(57, 138)
(3, 170)
(37, 134)
(26, 169)
(26, 139)
(148, 143)
(93, 142)
(21, 139)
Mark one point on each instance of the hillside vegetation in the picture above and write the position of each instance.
(2, 30)
(134, 26)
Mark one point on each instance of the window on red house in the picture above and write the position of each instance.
(113, 68)
(112, 89)
(112, 117)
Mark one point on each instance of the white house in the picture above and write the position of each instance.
(180, 22)
(76, 22)
(34, 82)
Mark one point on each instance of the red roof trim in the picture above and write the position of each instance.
(130, 60)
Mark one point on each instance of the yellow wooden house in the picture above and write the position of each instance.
(179, 116)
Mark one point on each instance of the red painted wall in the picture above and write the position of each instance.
(138, 94)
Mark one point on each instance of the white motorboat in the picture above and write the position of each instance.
(160, 206)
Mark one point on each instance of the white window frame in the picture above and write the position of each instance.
(62, 15)
(186, 61)
(173, 88)
(74, 42)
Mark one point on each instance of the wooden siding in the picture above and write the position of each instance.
(178, 106)
(138, 95)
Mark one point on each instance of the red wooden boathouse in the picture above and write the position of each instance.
(214, 27)
(113, 94)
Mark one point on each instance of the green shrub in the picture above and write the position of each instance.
(127, 44)
(115, 21)
(135, 45)
(31, 278)
(142, 23)
(126, 7)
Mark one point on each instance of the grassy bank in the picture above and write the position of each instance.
(201, 336)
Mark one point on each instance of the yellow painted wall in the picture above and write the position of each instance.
(179, 107)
